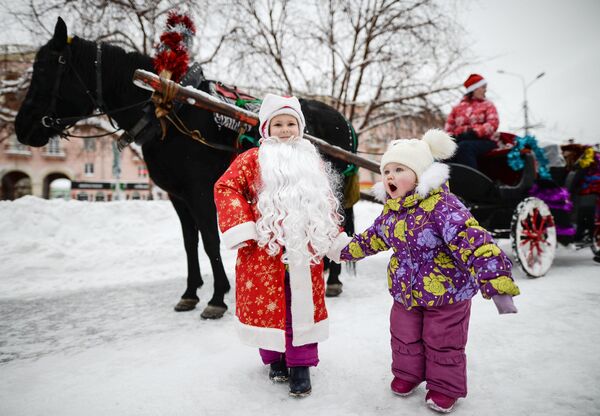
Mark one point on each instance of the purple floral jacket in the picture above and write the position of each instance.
(441, 254)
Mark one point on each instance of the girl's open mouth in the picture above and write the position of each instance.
(393, 187)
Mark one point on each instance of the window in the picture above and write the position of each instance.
(99, 196)
(89, 169)
(82, 196)
(54, 146)
(135, 195)
(14, 147)
(142, 172)
(89, 144)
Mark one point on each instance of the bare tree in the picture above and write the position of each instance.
(374, 60)
(132, 24)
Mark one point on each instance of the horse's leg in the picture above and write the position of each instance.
(205, 213)
(189, 299)
(334, 285)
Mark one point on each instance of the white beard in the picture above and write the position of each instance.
(297, 201)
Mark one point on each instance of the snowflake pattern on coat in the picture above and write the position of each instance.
(260, 295)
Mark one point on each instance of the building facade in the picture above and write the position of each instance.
(90, 167)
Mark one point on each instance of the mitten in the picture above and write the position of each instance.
(340, 242)
(504, 304)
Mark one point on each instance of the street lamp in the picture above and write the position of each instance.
(525, 86)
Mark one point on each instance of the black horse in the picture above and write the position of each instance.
(73, 76)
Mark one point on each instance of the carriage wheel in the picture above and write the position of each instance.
(533, 236)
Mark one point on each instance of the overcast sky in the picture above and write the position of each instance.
(526, 37)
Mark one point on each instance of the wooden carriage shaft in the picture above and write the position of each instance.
(200, 99)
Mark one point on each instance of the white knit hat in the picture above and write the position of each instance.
(274, 105)
(419, 154)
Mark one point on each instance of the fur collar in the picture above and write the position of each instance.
(433, 177)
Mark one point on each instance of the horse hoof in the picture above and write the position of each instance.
(213, 312)
(186, 305)
(333, 290)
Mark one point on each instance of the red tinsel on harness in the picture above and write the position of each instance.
(175, 19)
(172, 56)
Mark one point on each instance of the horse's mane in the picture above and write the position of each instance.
(122, 62)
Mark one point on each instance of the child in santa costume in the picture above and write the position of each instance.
(473, 122)
(441, 258)
(277, 205)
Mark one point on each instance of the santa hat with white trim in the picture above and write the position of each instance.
(473, 82)
(274, 105)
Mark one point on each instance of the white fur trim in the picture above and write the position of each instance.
(267, 338)
(441, 144)
(337, 246)
(316, 333)
(473, 87)
(378, 192)
(301, 289)
(433, 177)
(240, 233)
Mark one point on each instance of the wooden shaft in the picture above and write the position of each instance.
(200, 99)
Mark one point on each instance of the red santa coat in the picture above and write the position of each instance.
(260, 293)
(477, 115)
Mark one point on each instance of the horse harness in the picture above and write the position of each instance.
(146, 128)
(61, 124)
(166, 110)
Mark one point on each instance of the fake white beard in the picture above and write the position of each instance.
(297, 201)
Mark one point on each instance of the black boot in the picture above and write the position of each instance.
(279, 371)
(299, 381)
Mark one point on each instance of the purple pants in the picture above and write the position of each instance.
(303, 356)
(429, 344)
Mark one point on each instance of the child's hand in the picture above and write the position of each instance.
(504, 304)
(336, 248)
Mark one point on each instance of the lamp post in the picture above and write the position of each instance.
(525, 87)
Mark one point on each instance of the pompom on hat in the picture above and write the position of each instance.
(473, 82)
(419, 154)
(274, 105)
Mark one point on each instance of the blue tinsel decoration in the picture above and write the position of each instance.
(516, 162)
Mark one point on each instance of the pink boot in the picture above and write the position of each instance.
(403, 387)
(439, 401)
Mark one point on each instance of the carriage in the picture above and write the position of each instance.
(536, 206)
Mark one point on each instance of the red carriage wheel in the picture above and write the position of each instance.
(533, 236)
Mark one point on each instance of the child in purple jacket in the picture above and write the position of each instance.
(441, 257)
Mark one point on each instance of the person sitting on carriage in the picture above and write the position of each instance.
(472, 123)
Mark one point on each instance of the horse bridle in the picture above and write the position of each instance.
(61, 124)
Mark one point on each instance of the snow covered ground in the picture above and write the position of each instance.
(87, 328)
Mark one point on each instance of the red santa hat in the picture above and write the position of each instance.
(473, 82)
(274, 105)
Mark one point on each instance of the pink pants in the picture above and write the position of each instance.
(429, 344)
(302, 356)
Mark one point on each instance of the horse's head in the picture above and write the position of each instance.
(56, 91)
